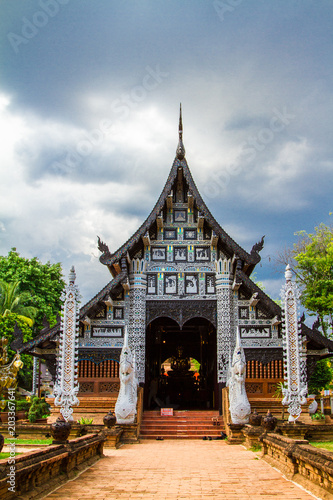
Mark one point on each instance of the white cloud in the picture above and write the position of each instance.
(230, 76)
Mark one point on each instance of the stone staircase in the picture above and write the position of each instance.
(90, 408)
(263, 405)
(182, 425)
(275, 406)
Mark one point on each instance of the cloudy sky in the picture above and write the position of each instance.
(89, 105)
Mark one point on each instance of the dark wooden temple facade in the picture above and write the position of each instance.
(181, 286)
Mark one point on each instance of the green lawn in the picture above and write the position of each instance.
(256, 447)
(5, 454)
(327, 445)
(28, 441)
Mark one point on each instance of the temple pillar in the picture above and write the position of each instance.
(137, 315)
(66, 387)
(226, 318)
(294, 352)
(35, 374)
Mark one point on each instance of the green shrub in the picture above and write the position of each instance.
(318, 416)
(39, 409)
(20, 405)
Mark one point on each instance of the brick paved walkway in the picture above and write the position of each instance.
(175, 470)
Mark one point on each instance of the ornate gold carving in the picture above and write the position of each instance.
(8, 371)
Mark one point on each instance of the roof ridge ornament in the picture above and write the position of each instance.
(102, 247)
(257, 247)
(180, 153)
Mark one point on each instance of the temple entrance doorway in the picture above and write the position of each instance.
(181, 365)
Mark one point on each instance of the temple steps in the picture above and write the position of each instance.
(274, 405)
(89, 408)
(182, 425)
(263, 405)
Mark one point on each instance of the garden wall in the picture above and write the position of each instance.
(310, 467)
(43, 470)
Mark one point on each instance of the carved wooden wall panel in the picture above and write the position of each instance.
(181, 311)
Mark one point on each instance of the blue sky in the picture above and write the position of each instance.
(89, 104)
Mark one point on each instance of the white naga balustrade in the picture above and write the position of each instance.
(240, 407)
(67, 387)
(294, 355)
(125, 408)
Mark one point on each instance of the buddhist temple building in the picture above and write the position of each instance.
(180, 285)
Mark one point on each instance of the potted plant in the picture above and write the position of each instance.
(85, 421)
(22, 408)
(39, 410)
(3, 414)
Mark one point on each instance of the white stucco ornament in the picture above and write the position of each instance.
(240, 407)
(125, 408)
(294, 351)
(67, 387)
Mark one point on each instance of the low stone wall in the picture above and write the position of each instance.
(310, 467)
(319, 432)
(42, 470)
(42, 431)
(113, 437)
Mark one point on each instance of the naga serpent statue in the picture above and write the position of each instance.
(125, 408)
(240, 408)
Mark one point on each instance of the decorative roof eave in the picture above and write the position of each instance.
(50, 333)
(318, 338)
(271, 306)
(121, 278)
(109, 259)
(45, 334)
(266, 302)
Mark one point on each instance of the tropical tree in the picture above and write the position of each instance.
(321, 378)
(14, 301)
(16, 311)
(44, 282)
(312, 261)
(315, 271)
(38, 296)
